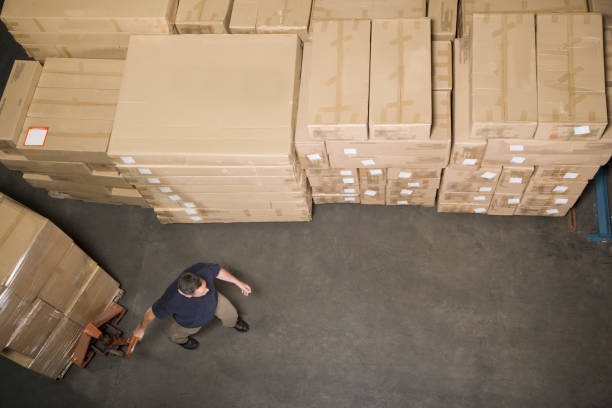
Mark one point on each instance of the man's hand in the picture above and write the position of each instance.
(139, 332)
(244, 288)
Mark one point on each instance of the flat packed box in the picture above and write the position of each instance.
(504, 86)
(571, 77)
(605, 8)
(45, 181)
(504, 204)
(442, 65)
(463, 208)
(399, 193)
(208, 171)
(14, 311)
(336, 198)
(199, 188)
(215, 119)
(342, 172)
(373, 176)
(111, 16)
(351, 180)
(15, 102)
(566, 172)
(21, 163)
(549, 200)
(428, 200)
(271, 17)
(543, 186)
(488, 174)
(203, 17)
(366, 9)
(400, 90)
(513, 179)
(408, 174)
(339, 81)
(421, 184)
(42, 52)
(483, 199)
(220, 202)
(443, 14)
(335, 189)
(374, 194)
(58, 350)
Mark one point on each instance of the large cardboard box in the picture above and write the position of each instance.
(111, 16)
(504, 204)
(482, 199)
(443, 14)
(271, 17)
(16, 100)
(466, 153)
(207, 171)
(57, 352)
(504, 86)
(442, 65)
(203, 17)
(339, 82)
(373, 194)
(571, 77)
(100, 291)
(366, 9)
(222, 113)
(513, 179)
(400, 90)
(441, 128)
(34, 329)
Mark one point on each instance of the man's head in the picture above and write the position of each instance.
(191, 285)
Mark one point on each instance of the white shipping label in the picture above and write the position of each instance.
(350, 152)
(368, 162)
(349, 198)
(517, 148)
(415, 184)
(516, 180)
(348, 180)
(153, 180)
(349, 191)
(480, 210)
(552, 211)
(560, 189)
(582, 130)
(513, 201)
(36, 136)
(489, 175)
(376, 172)
(314, 157)
(570, 175)
(561, 201)
(480, 198)
(517, 160)
(469, 162)
(128, 160)
(165, 189)
(189, 205)
(346, 172)
(196, 218)
(175, 197)
(406, 192)
(144, 171)
(485, 189)
(191, 212)
(405, 174)
(402, 202)
(370, 193)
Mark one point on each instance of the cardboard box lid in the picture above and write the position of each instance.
(84, 9)
(504, 87)
(202, 93)
(366, 9)
(16, 100)
(571, 78)
(339, 81)
(400, 72)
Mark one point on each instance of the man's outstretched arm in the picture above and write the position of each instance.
(228, 277)
(139, 331)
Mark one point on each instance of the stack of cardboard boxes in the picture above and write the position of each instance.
(375, 129)
(84, 28)
(207, 138)
(529, 114)
(49, 291)
(57, 124)
(271, 17)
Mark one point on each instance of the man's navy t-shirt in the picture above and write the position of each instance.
(190, 312)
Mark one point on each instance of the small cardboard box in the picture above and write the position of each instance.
(443, 14)
(400, 90)
(335, 189)
(426, 200)
(542, 211)
(339, 82)
(203, 17)
(316, 180)
(373, 176)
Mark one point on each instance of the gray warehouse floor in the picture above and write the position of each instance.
(366, 306)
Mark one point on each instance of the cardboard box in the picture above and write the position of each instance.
(16, 99)
(373, 194)
(543, 186)
(208, 171)
(443, 14)
(466, 153)
(271, 17)
(332, 172)
(203, 17)
(336, 188)
(400, 91)
(222, 189)
(204, 215)
(221, 202)
(565, 172)
(241, 125)
(549, 200)
(442, 119)
(418, 184)
(13, 311)
(486, 174)
(97, 295)
(463, 208)
(46, 182)
(244, 17)
(571, 77)
(442, 65)
(21, 163)
(66, 103)
(483, 199)
(409, 174)
(43, 52)
(402, 193)
(608, 61)
(135, 16)
(470, 7)
(349, 181)
(513, 179)
(607, 135)
(57, 352)
(504, 204)
(428, 200)
(323, 10)
(287, 181)
(336, 199)
(339, 82)
(35, 329)
(605, 8)
(504, 86)
(542, 211)
(96, 178)
(373, 176)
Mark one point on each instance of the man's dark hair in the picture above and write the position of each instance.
(189, 282)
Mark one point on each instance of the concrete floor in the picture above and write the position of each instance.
(364, 307)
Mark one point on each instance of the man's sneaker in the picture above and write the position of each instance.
(191, 344)
(241, 325)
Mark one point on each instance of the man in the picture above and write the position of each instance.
(193, 301)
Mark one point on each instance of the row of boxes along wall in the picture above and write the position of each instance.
(49, 291)
(411, 181)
